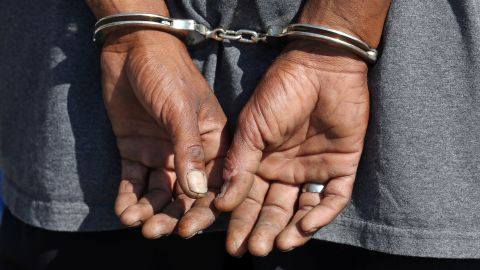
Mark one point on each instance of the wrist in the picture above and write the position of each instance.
(317, 56)
(362, 19)
(125, 40)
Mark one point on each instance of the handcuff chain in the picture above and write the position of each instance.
(242, 35)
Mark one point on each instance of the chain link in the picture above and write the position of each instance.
(242, 35)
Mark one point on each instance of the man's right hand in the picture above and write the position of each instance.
(170, 132)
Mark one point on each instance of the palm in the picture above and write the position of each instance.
(320, 135)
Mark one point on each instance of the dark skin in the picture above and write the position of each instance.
(320, 140)
(168, 124)
(306, 122)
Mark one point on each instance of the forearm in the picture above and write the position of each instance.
(362, 18)
(102, 8)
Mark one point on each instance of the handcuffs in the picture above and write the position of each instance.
(198, 33)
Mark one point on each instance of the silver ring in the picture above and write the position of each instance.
(313, 187)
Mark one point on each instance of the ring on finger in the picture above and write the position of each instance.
(313, 187)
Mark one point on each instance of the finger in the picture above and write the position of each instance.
(243, 218)
(189, 155)
(335, 198)
(200, 216)
(151, 152)
(213, 130)
(215, 144)
(131, 186)
(241, 164)
(158, 195)
(311, 168)
(275, 214)
(292, 236)
(295, 235)
(203, 213)
(164, 223)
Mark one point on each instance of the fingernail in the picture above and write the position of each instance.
(135, 224)
(239, 256)
(287, 250)
(197, 233)
(264, 255)
(197, 182)
(223, 190)
(311, 231)
(158, 236)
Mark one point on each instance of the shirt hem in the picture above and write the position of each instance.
(63, 216)
(401, 241)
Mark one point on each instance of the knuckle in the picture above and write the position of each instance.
(230, 166)
(278, 209)
(195, 152)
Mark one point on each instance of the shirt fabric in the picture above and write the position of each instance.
(418, 186)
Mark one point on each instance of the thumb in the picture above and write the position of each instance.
(189, 155)
(241, 164)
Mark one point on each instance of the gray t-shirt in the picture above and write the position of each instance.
(418, 186)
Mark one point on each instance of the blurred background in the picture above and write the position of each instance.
(1, 201)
